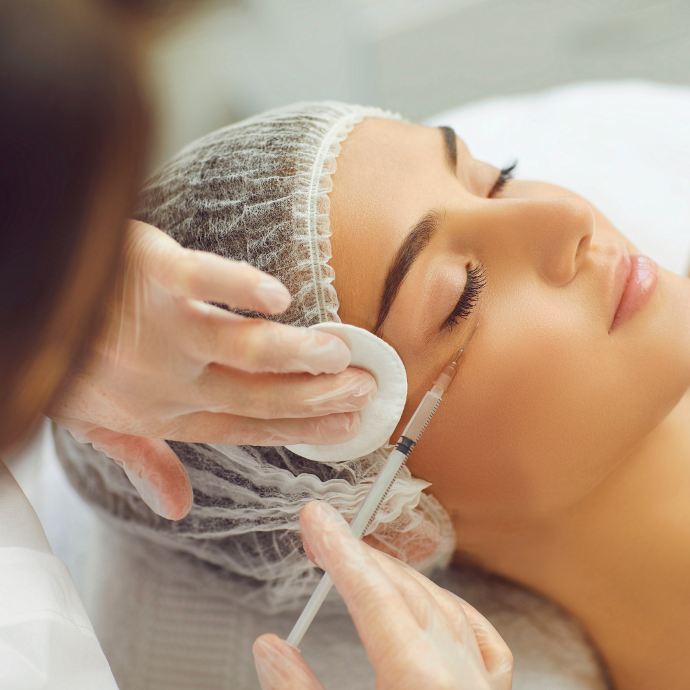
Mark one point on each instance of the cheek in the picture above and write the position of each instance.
(539, 414)
(515, 441)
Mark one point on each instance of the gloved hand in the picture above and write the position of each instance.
(416, 634)
(171, 366)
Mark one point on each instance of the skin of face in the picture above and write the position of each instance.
(548, 399)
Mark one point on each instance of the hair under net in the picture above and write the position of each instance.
(258, 191)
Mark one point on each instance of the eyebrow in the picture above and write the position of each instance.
(449, 139)
(415, 242)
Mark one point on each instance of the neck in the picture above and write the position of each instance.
(618, 561)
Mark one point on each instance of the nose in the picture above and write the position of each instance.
(552, 234)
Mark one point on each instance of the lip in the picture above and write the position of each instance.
(636, 278)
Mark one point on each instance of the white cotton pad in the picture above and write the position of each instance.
(380, 418)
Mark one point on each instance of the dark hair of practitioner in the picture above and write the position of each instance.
(73, 129)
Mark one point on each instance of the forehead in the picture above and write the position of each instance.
(373, 134)
(375, 146)
(388, 175)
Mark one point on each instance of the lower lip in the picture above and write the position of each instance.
(642, 282)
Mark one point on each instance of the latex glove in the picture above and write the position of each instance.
(171, 366)
(416, 634)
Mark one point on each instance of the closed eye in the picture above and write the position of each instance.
(476, 280)
(503, 177)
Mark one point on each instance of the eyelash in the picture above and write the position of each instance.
(476, 280)
(503, 177)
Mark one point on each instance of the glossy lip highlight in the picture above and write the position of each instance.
(636, 290)
(620, 276)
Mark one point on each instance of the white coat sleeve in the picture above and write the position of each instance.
(46, 639)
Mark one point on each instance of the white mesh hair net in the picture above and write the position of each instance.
(258, 191)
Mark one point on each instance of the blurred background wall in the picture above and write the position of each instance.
(238, 57)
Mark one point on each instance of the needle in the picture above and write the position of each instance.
(465, 345)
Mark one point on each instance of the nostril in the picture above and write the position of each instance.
(583, 246)
(586, 231)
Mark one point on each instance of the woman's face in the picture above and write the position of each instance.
(559, 383)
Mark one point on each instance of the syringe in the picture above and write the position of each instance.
(383, 483)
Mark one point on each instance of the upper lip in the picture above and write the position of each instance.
(620, 273)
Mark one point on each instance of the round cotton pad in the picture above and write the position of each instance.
(380, 418)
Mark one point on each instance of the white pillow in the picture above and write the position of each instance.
(624, 146)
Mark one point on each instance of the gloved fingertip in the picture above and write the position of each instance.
(317, 511)
(275, 664)
(179, 505)
(321, 353)
(273, 294)
(310, 554)
(320, 522)
(338, 427)
(149, 491)
(170, 505)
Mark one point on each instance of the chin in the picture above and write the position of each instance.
(656, 371)
(666, 332)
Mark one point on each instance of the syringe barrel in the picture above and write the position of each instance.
(379, 488)
(422, 415)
